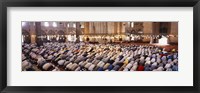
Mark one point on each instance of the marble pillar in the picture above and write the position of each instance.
(38, 30)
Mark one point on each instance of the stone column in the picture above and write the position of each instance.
(147, 30)
(123, 27)
(105, 30)
(174, 28)
(148, 27)
(115, 27)
(32, 32)
(173, 31)
(78, 32)
(111, 29)
(38, 29)
(67, 31)
(156, 28)
(86, 27)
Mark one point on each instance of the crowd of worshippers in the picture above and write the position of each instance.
(97, 57)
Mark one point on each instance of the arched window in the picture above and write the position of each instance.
(46, 24)
(23, 23)
(74, 25)
(54, 24)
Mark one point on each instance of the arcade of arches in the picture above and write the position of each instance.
(100, 32)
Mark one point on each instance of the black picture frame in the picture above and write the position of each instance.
(100, 3)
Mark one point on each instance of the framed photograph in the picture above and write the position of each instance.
(99, 46)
